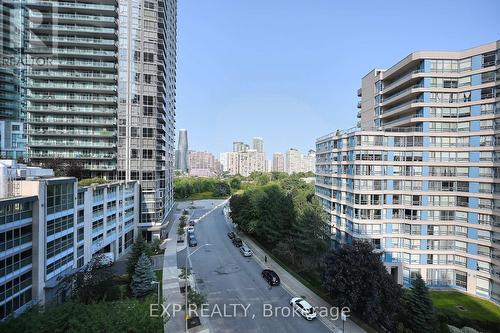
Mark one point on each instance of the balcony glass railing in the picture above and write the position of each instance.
(72, 39)
(71, 120)
(77, 28)
(89, 86)
(402, 106)
(73, 143)
(71, 132)
(399, 93)
(71, 5)
(72, 16)
(74, 50)
(75, 97)
(56, 108)
(403, 78)
(72, 155)
(80, 63)
(72, 74)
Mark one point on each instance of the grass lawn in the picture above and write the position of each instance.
(473, 308)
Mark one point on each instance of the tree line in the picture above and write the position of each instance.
(282, 213)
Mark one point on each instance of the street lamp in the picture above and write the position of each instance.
(185, 279)
(158, 289)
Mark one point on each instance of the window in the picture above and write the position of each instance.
(148, 78)
(147, 154)
(134, 175)
(147, 132)
(134, 132)
(148, 175)
(137, 55)
(122, 131)
(149, 57)
(134, 153)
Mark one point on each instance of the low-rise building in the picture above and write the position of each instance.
(50, 227)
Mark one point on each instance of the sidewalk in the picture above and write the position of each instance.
(296, 288)
(171, 289)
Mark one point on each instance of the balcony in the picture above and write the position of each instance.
(71, 86)
(76, 5)
(72, 143)
(72, 40)
(57, 132)
(402, 93)
(400, 80)
(73, 121)
(72, 97)
(73, 155)
(62, 109)
(360, 92)
(80, 29)
(404, 106)
(72, 51)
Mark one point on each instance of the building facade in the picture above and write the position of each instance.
(182, 161)
(51, 227)
(419, 178)
(293, 161)
(250, 161)
(12, 116)
(71, 83)
(278, 162)
(258, 144)
(203, 164)
(229, 162)
(146, 105)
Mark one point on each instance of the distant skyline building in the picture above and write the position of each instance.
(229, 162)
(293, 161)
(258, 144)
(203, 164)
(239, 146)
(278, 164)
(250, 161)
(182, 163)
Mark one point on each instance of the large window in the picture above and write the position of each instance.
(60, 197)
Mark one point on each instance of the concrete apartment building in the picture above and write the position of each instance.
(293, 161)
(203, 164)
(229, 162)
(278, 162)
(51, 227)
(98, 87)
(418, 177)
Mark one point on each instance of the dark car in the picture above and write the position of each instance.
(231, 235)
(192, 222)
(193, 241)
(237, 242)
(271, 277)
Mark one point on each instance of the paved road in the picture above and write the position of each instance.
(226, 277)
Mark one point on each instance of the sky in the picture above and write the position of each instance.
(288, 70)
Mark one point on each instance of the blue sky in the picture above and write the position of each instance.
(288, 70)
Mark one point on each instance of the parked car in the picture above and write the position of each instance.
(245, 251)
(192, 223)
(303, 307)
(237, 242)
(191, 235)
(231, 235)
(190, 229)
(193, 242)
(271, 277)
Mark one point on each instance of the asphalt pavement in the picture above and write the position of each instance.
(239, 299)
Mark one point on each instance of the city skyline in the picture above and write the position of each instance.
(260, 81)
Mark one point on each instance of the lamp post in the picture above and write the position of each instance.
(185, 279)
(158, 290)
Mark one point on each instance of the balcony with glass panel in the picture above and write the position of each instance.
(65, 18)
(74, 51)
(73, 74)
(61, 5)
(89, 98)
(73, 28)
(71, 143)
(69, 85)
(73, 40)
(72, 155)
(70, 132)
(69, 108)
(72, 120)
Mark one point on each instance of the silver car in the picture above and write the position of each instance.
(245, 251)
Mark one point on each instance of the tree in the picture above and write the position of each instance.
(420, 315)
(74, 168)
(93, 283)
(235, 183)
(222, 189)
(138, 249)
(143, 277)
(355, 276)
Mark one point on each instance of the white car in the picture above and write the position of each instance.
(303, 307)
(190, 229)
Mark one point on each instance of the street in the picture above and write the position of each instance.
(226, 278)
